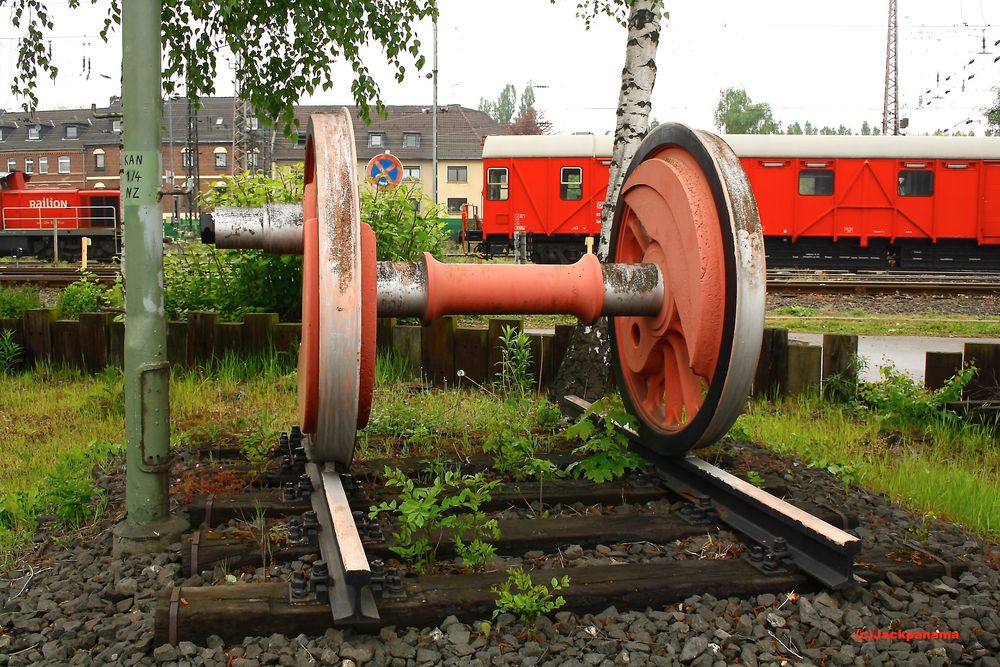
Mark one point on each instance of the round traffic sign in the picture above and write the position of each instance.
(385, 170)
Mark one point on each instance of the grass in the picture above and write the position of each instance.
(944, 469)
(856, 321)
(58, 424)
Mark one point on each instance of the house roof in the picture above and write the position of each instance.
(52, 134)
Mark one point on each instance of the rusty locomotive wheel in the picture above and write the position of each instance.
(336, 357)
(686, 205)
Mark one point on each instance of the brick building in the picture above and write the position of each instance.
(75, 148)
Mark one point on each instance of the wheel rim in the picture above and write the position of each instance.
(686, 206)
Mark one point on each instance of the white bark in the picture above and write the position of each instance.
(638, 76)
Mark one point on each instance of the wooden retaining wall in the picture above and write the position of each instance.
(445, 354)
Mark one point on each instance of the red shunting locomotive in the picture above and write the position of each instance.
(52, 222)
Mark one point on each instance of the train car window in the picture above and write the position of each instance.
(29, 165)
(376, 140)
(43, 165)
(411, 173)
(496, 184)
(63, 164)
(455, 204)
(411, 140)
(916, 183)
(571, 183)
(458, 174)
(816, 182)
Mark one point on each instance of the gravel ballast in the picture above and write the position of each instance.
(72, 604)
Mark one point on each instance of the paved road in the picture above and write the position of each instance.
(906, 353)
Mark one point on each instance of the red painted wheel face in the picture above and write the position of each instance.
(308, 376)
(669, 218)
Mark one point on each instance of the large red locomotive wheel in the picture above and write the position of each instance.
(336, 358)
(686, 206)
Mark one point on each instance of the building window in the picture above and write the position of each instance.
(458, 174)
(254, 123)
(301, 141)
(11, 164)
(817, 182)
(411, 140)
(376, 139)
(571, 183)
(72, 132)
(411, 173)
(916, 183)
(3, 133)
(496, 184)
(219, 121)
(99, 159)
(43, 165)
(186, 158)
(34, 132)
(455, 204)
(116, 125)
(221, 158)
(29, 165)
(253, 159)
(63, 164)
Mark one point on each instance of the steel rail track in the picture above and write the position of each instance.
(54, 276)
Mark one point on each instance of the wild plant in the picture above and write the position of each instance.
(10, 352)
(15, 300)
(604, 448)
(86, 295)
(513, 378)
(902, 401)
(452, 502)
(518, 596)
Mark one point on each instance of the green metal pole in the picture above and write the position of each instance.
(148, 525)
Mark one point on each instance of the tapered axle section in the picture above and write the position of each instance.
(587, 289)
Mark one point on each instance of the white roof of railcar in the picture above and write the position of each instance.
(764, 146)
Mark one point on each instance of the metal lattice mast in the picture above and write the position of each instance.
(191, 164)
(242, 132)
(890, 108)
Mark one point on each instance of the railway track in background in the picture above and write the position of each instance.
(46, 275)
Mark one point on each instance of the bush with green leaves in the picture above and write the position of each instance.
(85, 295)
(902, 401)
(519, 596)
(604, 448)
(254, 189)
(406, 224)
(451, 502)
(15, 300)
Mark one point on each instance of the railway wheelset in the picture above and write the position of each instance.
(684, 288)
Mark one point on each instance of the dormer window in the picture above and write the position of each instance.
(72, 132)
(376, 139)
(411, 140)
(116, 125)
(34, 132)
(219, 121)
(3, 133)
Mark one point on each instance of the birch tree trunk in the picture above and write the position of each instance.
(586, 367)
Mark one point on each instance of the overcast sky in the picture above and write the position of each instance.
(823, 62)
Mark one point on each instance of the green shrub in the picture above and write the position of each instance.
(254, 189)
(901, 400)
(86, 295)
(404, 221)
(605, 447)
(15, 300)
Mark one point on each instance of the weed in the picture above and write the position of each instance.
(518, 596)
(86, 295)
(15, 300)
(902, 401)
(513, 379)
(423, 514)
(391, 368)
(547, 415)
(755, 478)
(10, 352)
(798, 311)
(605, 446)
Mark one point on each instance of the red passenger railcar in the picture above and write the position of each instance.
(34, 222)
(825, 201)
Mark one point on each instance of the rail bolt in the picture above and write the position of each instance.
(288, 492)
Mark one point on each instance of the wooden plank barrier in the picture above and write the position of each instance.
(437, 352)
(406, 344)
(939, 367)
(65, 340)
(771, 377)
(94, 340)
(38, 334)
(840, 353)
(985, 385)
(177, 343)
(471, 355)
(805, 365)
(201, 337)
(258, 332)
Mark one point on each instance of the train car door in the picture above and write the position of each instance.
(990, 216)
(956, 206)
